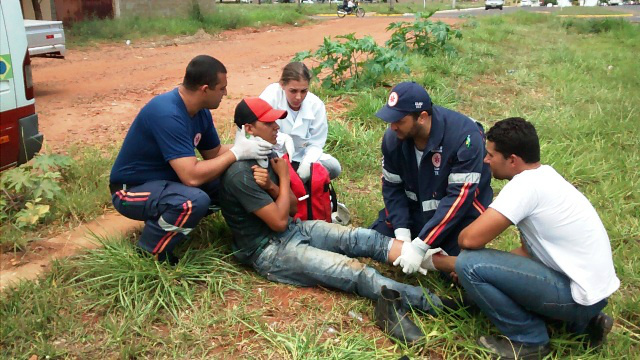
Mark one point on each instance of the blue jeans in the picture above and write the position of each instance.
(311, 253)
(519, 293)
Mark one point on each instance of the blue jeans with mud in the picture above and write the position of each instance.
(312, 253)
(519, 294)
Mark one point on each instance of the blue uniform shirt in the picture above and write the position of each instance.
(162, 131)
(451, 187)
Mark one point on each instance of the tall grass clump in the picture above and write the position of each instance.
(117, 277)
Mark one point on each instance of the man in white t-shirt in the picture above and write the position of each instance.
(564, 268)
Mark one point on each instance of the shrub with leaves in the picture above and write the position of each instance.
(28, 191)
(422, 36)
(350, 62)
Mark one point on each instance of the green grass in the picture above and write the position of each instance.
(582, 92)
(226, 16)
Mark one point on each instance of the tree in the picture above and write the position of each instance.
(36, 9)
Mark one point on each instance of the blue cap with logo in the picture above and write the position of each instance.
(405, 98)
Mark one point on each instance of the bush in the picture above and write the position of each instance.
(52, 189)
(422, 36)
(29, 191)
(351, 62)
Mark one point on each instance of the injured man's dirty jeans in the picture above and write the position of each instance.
(310, 253)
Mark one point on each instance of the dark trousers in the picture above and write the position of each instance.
(169, 209)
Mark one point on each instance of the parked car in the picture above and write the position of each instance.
(615, 2)
(524, 3)
(20, 139)
(493, 4)
(45, 38)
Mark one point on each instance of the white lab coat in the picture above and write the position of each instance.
(308, 129)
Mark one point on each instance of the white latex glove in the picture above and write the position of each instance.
(262, 162)
(304, 171)
(427, 261)
(411, 255)
(284, 145)
(403, 234)
(255, 148)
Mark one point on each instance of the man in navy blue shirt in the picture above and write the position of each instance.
(434, 182)
(157, 178)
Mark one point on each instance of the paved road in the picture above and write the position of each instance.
(623, 11)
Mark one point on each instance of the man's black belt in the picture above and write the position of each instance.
(113, 188)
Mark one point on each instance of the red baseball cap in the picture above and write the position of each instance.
(253, 109)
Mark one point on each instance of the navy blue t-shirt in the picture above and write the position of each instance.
(162, 131)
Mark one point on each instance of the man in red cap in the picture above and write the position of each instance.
(258, 204)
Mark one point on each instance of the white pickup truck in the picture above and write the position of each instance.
(45, 38)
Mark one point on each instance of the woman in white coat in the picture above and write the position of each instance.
(306, 121)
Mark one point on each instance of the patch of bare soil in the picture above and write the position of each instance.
(93, 95)
(17, 266)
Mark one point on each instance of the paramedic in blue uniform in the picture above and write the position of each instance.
(434, 181)
(157, 177)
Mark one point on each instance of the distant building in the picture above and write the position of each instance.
(77, 10)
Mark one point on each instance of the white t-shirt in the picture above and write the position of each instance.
(418, 156)
(562, 229)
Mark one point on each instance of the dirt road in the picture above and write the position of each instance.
(93, 95)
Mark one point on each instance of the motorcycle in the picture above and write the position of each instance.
(344, 11)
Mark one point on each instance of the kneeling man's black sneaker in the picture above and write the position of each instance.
(598, 329)
(164, 256)
(168, 257)
(504, 348)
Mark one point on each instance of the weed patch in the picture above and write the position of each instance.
(52, 191)
(349, 63)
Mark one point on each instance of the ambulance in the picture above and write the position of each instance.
(20, 139)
